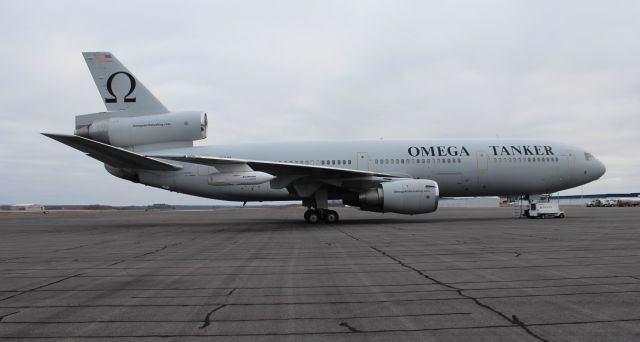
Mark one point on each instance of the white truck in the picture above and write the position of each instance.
(595, 203)
(544, 210)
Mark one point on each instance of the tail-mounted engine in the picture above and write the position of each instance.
(123, 131)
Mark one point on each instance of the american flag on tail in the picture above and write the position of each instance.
(104, 57)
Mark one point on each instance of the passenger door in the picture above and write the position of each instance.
(362, 161)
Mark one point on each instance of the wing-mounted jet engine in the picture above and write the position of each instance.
(407, 196)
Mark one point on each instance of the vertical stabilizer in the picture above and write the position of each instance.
(119, 89)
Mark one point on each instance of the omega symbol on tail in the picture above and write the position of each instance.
(132, 87)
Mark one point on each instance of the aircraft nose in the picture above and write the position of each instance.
(596, 170)
(600, 169)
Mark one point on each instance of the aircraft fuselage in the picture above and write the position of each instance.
(460, 167)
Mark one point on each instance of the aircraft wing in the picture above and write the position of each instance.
(291, 173)
(114, 156)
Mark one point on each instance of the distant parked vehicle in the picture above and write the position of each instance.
(628, 203)
(595, 203)
(623, 202)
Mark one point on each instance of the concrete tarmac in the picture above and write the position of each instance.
(263, 274)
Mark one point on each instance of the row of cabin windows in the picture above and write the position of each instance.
(526, 160)
(422, 161)
(418, 161)
(376, 161)
(318, 162)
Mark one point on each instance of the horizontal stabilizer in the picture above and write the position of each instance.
(111, 155)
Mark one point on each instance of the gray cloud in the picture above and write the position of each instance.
(326, 70)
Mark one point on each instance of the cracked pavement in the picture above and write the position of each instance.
(262, 274)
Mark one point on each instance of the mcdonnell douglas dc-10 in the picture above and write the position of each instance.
(140, 140)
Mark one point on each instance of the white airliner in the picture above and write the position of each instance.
(140, 140)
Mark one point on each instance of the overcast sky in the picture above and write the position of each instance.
(566, 71)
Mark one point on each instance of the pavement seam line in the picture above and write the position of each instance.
(41, 286)
(327, 318)
(513, 320)
(207, 318)
(158, 250)
(347, 234)
(245, 320)
(352, 329)
(7, 315)
(330, 333)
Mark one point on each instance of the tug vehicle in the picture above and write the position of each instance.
(544, 208)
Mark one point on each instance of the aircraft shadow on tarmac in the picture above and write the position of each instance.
(270, 223)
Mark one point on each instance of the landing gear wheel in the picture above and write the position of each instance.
(312, 216)
(331, 217)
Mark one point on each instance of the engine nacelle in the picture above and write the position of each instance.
(125, 131)
(240, 178)
(410, 196)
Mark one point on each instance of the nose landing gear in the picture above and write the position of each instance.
(321, 215)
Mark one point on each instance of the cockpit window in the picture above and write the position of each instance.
(588, 156)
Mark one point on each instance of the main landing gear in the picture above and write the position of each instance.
(321, 215)
(318, 208)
